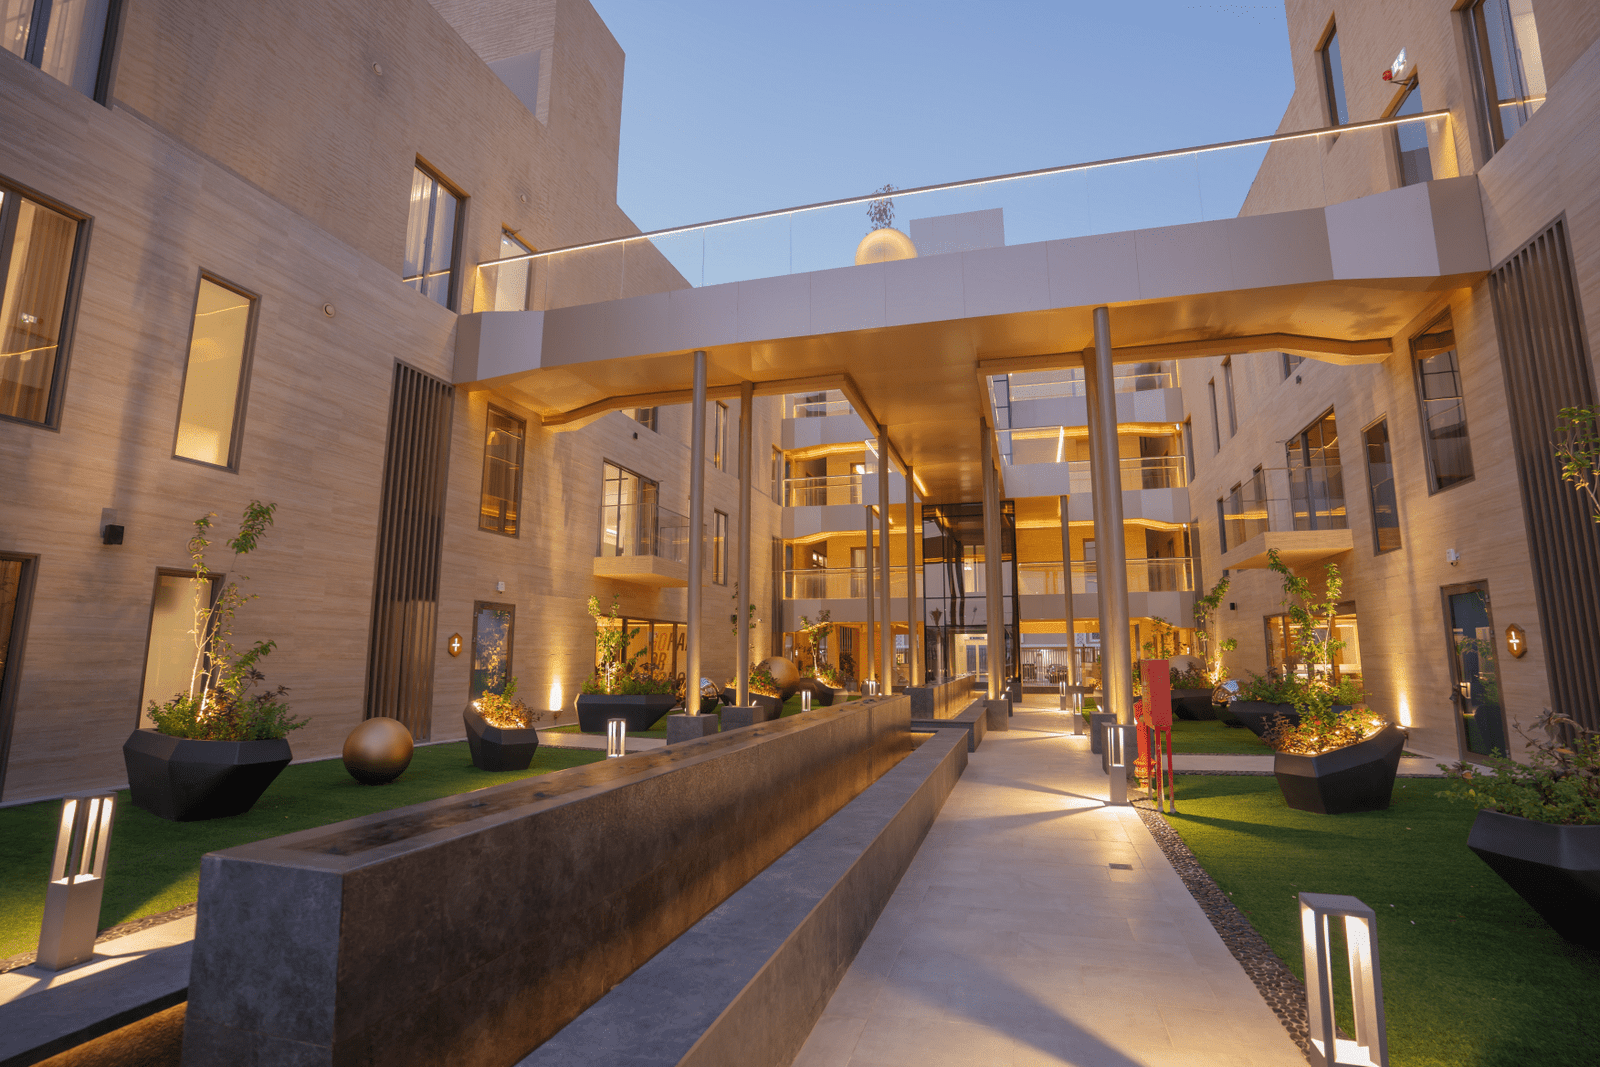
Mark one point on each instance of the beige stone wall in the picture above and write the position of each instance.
(1543, 172)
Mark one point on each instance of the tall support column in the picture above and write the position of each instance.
(914, 663)
(697, 515)
(747, 402)
(886, 662)
(993, 609)
(1066, 591)
(866, 658)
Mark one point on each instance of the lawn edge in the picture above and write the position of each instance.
(132, 926)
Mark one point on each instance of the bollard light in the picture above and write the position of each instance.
(1077, 712)
(1370, 1047)
(77, 881)
(805, 700)
(1119, 739)
(616, 738)
(1063, 696)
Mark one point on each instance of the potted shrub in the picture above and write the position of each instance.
(1261, 700)
(620, 688)
(765, 692)
(215, 748)
(500, 730)
(1538, 824)
(1191, 694)
(1192, 690)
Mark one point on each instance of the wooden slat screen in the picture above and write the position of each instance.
(1546, 367)
(405, 597)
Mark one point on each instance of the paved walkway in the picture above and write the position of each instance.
(1016, 940)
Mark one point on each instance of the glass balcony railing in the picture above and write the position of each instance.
(1147, 472)
(1163, 188)
(1278, 500)
(814, 406)
(643, 530)
(837, 583)
(1068, 381)
(1144, 576)
(816, 492)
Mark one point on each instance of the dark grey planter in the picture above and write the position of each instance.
(642, 712)
(186, 780)
(684, 727)
(1192, 704)
(760, 700)
(1358, 777)
(495, 748)
(1556, 869)
(1097, 730)
(1258, 715)
(734, 717)
(821, 692)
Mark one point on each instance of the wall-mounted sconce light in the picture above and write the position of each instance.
(616, 738)
(1370, 1047)
(499, 587)
(110, 530)
(77, 881)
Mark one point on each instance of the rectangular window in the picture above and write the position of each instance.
(627, 513)
(38, 251)
(1316, 480)
(719, 438)
(777, 474)
(1216, 423)
(645, 417)
(169, 660)
(211, 413)
(1444, 412)
(1333, 78)
(1504, 46)
(1291, 363)
(1380, 483)
(67, 39)
(492, 632)
(1411, 139)
(16, 580)
(507, 283)
(1188, 445)
(1227, 381)
(501, 501)
(719, 548)
(1222, 520)
(433, 232)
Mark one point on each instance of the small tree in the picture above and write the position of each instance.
(1205, 613)
(1312, 620)
(881, 212)
(1578, 449)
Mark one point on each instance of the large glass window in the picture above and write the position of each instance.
(432, 233)
(169, 661)
(1291, 363)
(627, 513)
(1380, 483)
(1508, 65)
(1316, 480)
(1216, 425)
(492, 626)
(719, 438)
(1333, 79)
(211, 412)
(15, 577)
(1227, 381)
(719, 548)
(501, 500)
(37, 249)
(67, 39)
(1444, 412)
(645, 417)
(1411, 140)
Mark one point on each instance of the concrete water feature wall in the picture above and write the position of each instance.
(943, 700)
(470, 929)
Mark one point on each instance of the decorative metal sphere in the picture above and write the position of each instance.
(784, 672)
(884, 244)
(378, 751)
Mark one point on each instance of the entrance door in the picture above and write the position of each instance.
(1475, 669)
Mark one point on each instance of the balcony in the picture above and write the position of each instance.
(1149, 472)
(815, 405)
(1301, 513)
(1048, 385)
(821, 492)
(644, 544)
(1144, 576)
(837, 583)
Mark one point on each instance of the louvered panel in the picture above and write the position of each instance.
(1547, 368)
(405, 595)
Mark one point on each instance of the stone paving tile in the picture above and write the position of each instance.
(1012, 941)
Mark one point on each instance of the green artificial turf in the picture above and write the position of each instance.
(154, 865)
(1472, 977)
(1212, 737)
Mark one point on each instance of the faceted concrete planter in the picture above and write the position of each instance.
(1556, 869)
(642, 712)
(1258, 715)
(1192, 704)
(186, 780)
(497, 749)
(1358, 777)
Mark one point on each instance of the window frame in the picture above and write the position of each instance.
(1291, 367)
(1434, 488)
(1188, 445)
(1233, 411)
(110, 47)
(55, 403)
(16, 646)
(522, 466)
(453, 290)
(241, 394)
(1216, 419)
(1394, 486)
(478, 607)
(719, 436)
(218, 580)
(719, 547)
(1480, 63)
(1333, 92)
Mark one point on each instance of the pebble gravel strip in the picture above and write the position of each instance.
(23, 959)
(1284, 993)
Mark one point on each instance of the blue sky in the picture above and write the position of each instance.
(733, 107)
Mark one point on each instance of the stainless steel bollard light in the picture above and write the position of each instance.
(1077, 712)
(1119, 739)
(1064, 704)
(805, 700)
(77, 881)
(616, 738)
(1370, 1047)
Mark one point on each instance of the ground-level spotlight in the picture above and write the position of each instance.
(1370, 1047)
(616, 738)
(77, 881)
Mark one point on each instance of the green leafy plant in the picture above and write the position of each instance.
(1163, 642)
(1578, 449)
(814, 632)
(1205, 615)
(219, 704)
(1559, 784)
(762, 681)
(1270, 690)
(1193, 678)
(616, 673)
(507, 710)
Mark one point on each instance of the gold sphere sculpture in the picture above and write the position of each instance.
(884, 244)
(378, 751)
(783, 671)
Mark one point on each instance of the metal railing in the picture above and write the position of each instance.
(1144, 576)
(807, 406)
(1147, 472)
(643, 530)
(837, 583)
(1068, 381)
(817, 492)
(1163, 188)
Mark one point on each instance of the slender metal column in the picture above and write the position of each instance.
(913, 608)
(1066, 582)
(747, 402)
(866, 659)
(993, 609)
(697, 515)
(887, 649)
